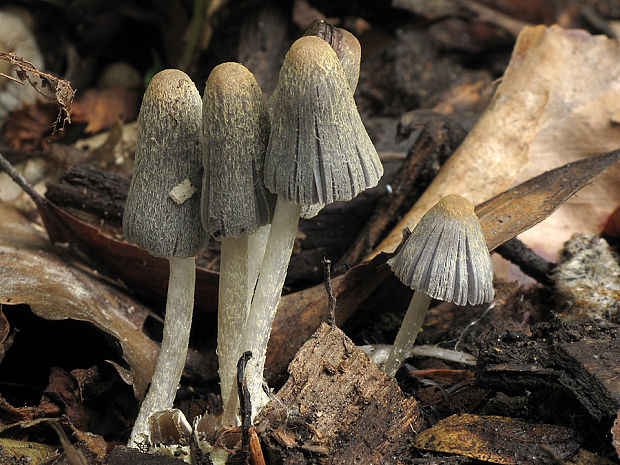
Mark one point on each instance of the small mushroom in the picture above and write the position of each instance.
(446, 258)
(318, 152)
(345, 44)
(236, 205)
(167, 154)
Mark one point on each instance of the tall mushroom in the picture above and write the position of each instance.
(445, 257)
(162, 215)
(236, 206)
(318, 153)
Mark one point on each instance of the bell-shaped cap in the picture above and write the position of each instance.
(345, 44)
(446, 255)
(167, 155)
(234, 137)
(319, 151)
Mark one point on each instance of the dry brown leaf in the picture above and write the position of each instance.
(92, 445)
(498, 439)
(28, 128)
(575, 80)
(518, 209)
(102, 108)
(31, 273)
(581, 75)
(54, 90)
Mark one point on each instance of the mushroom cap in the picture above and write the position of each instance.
(167, 153)
(345, 44)
(235, 129)
(446, 255)
(319, 151)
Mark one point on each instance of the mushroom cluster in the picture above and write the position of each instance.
(242, 170)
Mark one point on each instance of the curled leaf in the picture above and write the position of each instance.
(32, 274)
(497, 439)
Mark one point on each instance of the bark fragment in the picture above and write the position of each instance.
(338, 407)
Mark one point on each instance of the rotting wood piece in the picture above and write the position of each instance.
(96, 191)
(338, 407)
(596, 374)
(583, 359)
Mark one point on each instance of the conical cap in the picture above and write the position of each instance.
(319, 151)
(234, 137)
(167, 153)
(446, 256)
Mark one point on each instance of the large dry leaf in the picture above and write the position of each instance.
(558, 101)
(488, 160)
(31, 273)
(581, 75)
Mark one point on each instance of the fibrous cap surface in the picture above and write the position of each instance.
(446, 256)
(167, 153)
(234, 137)
(319, 151)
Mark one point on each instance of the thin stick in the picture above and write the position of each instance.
(527, 260)
(244, 401)
(9, 169)
(331, 308)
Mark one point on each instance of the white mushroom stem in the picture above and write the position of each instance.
(408, 332)
(173, 351)
(267, 295)
(240, 262)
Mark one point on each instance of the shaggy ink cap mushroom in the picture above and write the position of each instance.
(236, 206)
(162, 215)
(446, 258)
(167, 153)
(345, 44)
(234, 139)
(319, 150)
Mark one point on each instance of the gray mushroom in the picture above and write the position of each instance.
(318, 152)
(236, 206)
(345, 44)
(162, 214)
(446, 258)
